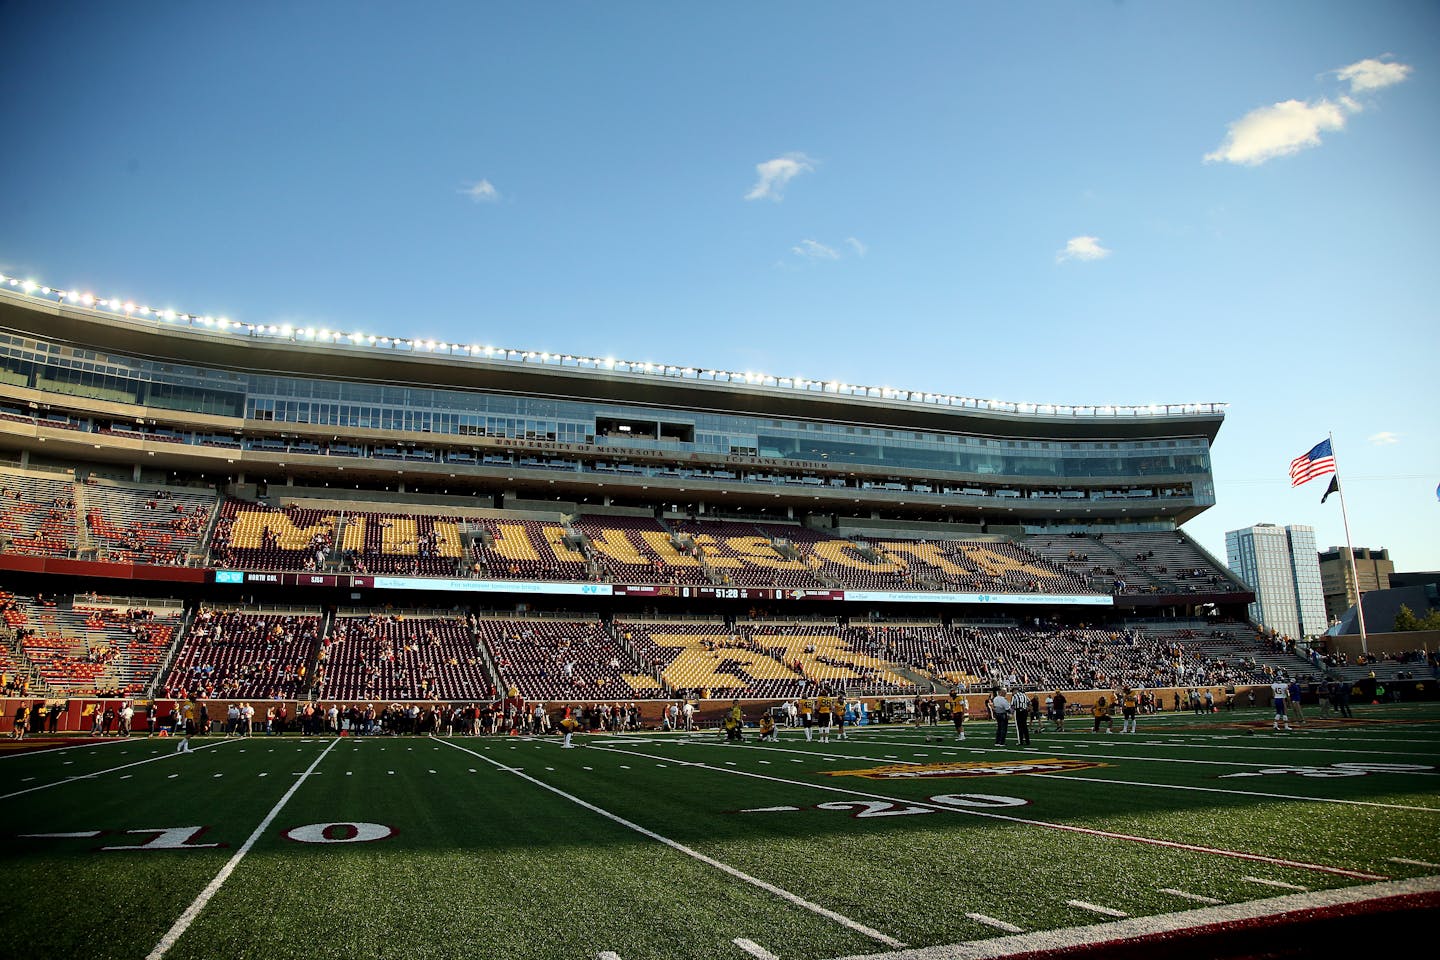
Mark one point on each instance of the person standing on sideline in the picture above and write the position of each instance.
(1000, 710)
(1129, 711)
(1341, 693)
(1058, 718)
(1020, 705)
(127, 715)
(187, 726)
(805, 707)
(824, 712)
(1280, 691)
(1292, 703)
(841, 707)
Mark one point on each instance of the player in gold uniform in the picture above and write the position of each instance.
(958, 711)
(1129, 711)
(1103, 712)
(824, 713)
(807, 718)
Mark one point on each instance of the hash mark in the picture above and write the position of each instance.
(1096, 908)
(1276, 883)
(992, 922)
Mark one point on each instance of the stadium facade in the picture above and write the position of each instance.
(293, 406)
(340, 471)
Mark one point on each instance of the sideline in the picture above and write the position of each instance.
(101, 773)
(1162, 929)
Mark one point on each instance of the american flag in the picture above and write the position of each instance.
(1318, 462)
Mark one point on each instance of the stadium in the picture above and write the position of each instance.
(418, 564)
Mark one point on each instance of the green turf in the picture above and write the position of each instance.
(486, 861)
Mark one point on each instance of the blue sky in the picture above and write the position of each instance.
(1078, 202)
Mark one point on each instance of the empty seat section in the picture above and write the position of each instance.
(638, 550)
(149, 524)
(37, 514)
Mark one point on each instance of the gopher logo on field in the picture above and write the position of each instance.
(978, 768)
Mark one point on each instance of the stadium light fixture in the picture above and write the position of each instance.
(169, 315)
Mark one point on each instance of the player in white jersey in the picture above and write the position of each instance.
(1281, 692)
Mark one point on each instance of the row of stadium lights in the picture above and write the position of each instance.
(288, 332)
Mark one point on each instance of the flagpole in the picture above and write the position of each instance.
(1350, 551)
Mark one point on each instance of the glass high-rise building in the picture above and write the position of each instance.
(1280, 564)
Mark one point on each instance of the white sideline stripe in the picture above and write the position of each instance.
(1123, 930)
(1276, 883)
(754, 949)
(1079, 778)
(1414, 863)
(101, 773)
(1185, 895)
(193, 911)
(607, 955)
(1096, 908)
(62, 836)
(1054, 745)
(1069, 828)
(45, 750)
(992, 922)
(688, 851)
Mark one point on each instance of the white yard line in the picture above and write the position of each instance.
(193, 911)
(754, 949)
(1122, 931)
(1185, 895)
(1414, 863)
(1069, 828)
(785, 895)
(1051, 745)
(101, 773)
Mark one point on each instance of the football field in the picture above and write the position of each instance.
(897, 840)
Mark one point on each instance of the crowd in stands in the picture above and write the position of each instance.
(562, 659)
(383, 656)
(244, 655)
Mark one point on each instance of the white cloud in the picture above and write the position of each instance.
(482, 192)
(814, 250)
(1371, 74)
(1082, 248)
(775, 174)
(1293, 125)
(1279, 130)
(860, 248)
(1384, 439)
